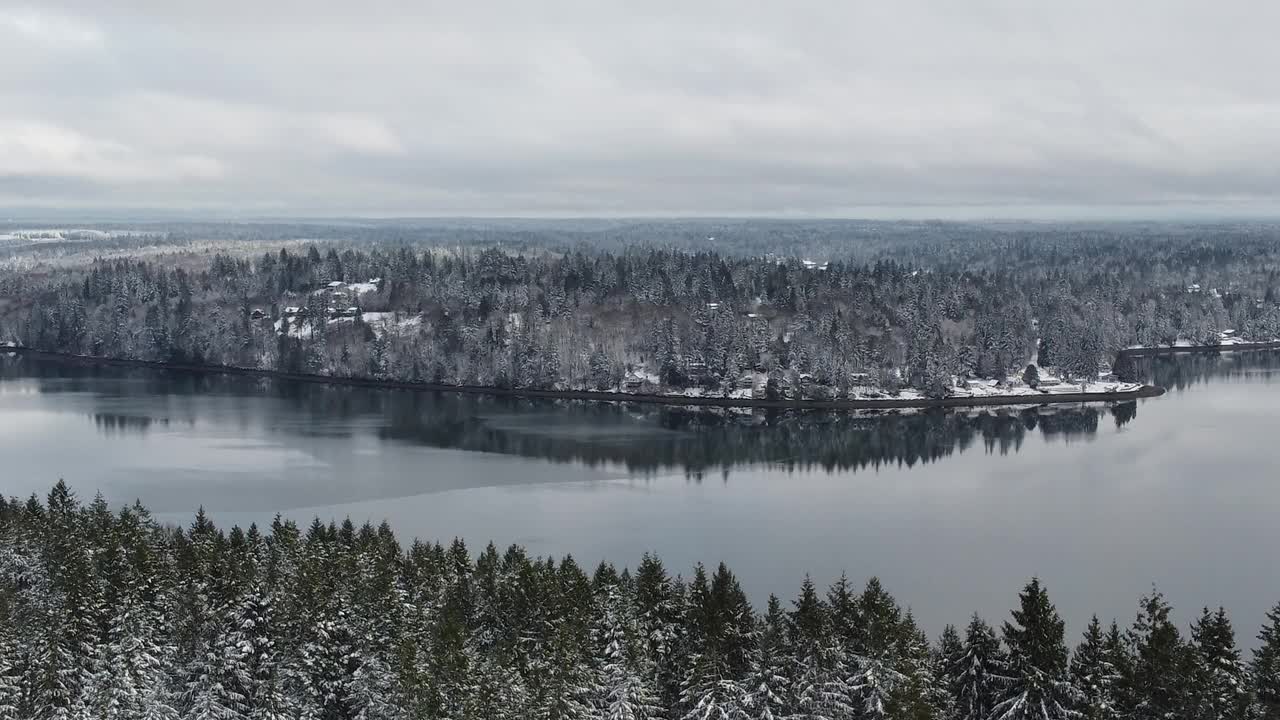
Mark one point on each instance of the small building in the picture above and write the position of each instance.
(293, 310)
(258, 314)
(336, 284)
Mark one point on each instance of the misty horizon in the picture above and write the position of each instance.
(409, 110)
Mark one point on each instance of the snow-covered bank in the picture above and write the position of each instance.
(1227, 342)
(904, 401)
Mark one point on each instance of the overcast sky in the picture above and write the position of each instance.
(839, 108)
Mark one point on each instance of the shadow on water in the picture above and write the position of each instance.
(643, 439)
(1181, 372)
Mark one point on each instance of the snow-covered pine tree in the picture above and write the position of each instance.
(253, 630)
(1219, 681)
(626, 688)
(766, 683)
(497, 692)
(920, 693)
(720, 641)
(1038, 687)
(1154, 686)
(846, 619)
(66, 631)
(10, 663)
(1095, 676)
(1264, 668)
(948, 657)
(658, 608)
(132, 680)
(819, 681)
(878, 653)
(325, 670)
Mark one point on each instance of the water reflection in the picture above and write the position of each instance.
(642, 439)
(1095, 500)
(1181, 372)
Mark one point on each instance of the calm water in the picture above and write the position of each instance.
(954, 511)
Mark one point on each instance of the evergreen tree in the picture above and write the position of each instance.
(980, 676)
(1219, 681)
(1265, 667)
(108, 616)
(10, 670)
(819, 681)
(766, 687)
(1154, 686)
(1094, 675)
(948, 661)
(1038, 686)
(626, 685)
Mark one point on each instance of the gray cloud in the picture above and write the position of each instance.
(561, 107)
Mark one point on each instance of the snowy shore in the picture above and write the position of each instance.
(907, 399)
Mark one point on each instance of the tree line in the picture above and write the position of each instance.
(104, 613)
(656, 317)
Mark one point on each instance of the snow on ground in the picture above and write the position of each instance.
(1226, 338)
(394, 322)
(301, 331)
(1014, 388)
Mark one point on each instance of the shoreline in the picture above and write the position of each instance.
(1186, 349)
(1144, 391)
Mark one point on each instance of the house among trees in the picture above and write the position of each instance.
(257, 314)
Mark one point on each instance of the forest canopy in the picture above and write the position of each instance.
(105, 613)
(917, 305)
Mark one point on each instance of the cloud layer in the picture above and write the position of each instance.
(558, 107)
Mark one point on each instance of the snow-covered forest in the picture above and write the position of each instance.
(106, 614)
(935, 310)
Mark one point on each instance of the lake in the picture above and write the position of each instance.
(953, 510)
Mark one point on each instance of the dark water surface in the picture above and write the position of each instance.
(954, 511)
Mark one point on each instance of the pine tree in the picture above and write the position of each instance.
(1154, 686)
(253, 630)
(1038, 685)
(920, 692)
(1265, 667)
(627, 692)
(132, 681)
(1094, 675)
(1219, 682)
(877, 652)
(720, 639)
(766, 683)
(10, 668)
(948, 659)
(846, 620)
(980, 676)
(658, 615)
(819, 682)
(325, 670)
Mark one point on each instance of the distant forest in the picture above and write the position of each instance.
(105, 614)
(805, 310)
